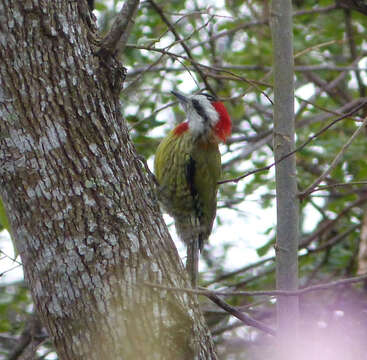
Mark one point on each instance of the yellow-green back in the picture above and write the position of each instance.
(188, 170)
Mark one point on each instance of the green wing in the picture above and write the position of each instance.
(4, 222)
(207, 173)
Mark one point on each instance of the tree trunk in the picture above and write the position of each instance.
(285, 173)
(82, 211)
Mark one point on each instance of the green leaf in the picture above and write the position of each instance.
(100, 6)
(261, 251)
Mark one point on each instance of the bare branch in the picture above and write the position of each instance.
(316, 10)
(136, 81)
(353, 49)
(115, 41)
(9, 270)
(335, 240)
(319, 287)
(31, 337)
(13, 259)
(357, 5)
(247, 320)
(300, 68)
(330, 186)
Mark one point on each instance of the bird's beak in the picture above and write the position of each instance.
(181, 97)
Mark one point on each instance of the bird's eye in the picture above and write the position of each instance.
(199, 109)
(210, 97)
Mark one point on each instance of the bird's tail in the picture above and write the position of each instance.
(192, 261)
(191, 232)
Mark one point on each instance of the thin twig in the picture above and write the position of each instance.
(329, 111)
(352, 47)
(327, 87)
(31, 337)
(326, 187)
(246, 319)
(251, 82)
(261, 23)
(335, 162)
(235, 77)
(303, 245)
(333, 241)
(316, 10)
(13, 259)
(330, 223)
(9, 270)
(319, 287)
(227, 327)
(321, 118)
(163, 53)
(152, 115)
(183, 44)
(318, 46)
(353, 5)
(300, 68)
(137, 79)
(266, 168)
(239, 271)
(183, 16)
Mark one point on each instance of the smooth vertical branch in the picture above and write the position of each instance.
(286, 181)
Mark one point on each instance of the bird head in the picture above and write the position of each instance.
(206, 116)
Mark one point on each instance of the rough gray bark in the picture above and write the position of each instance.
(81, 208)
(286, 181)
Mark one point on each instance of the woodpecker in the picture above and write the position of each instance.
(188, 167)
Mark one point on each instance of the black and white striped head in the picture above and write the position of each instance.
(201, 114)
